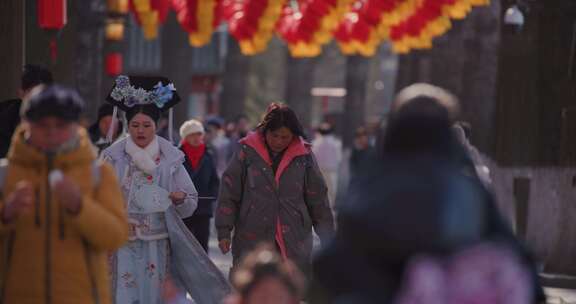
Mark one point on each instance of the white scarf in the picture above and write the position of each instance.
(145, 158)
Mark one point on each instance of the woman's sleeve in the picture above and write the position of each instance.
(316, 198)
(182, 183)
(230, 196)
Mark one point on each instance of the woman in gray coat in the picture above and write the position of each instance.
(273, 192)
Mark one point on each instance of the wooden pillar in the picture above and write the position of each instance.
(177, 65)
(235, 81)
(355, 101)
(11, 53)
(299, 82)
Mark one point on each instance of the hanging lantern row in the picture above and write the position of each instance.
(307, 27)
(428, 21)
(198, 18)
(150, 14)
(252, 22)
(358, 26)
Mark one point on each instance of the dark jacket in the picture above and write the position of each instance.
(206, 181)
(9, 120)
(259, 205)
(401, 208)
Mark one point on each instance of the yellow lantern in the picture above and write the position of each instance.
(114, 30)
(118, 6)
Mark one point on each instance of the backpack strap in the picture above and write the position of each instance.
(9, 240)
(3, 172)
(96, 173)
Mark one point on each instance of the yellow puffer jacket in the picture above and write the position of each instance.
(49, 255)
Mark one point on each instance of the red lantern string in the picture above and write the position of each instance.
(53, 49)
(52, 17)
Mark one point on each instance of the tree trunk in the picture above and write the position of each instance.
(176, 64)
(355, 105)
(12, 33)
(235, 82)
(299, 81)
(89, 53)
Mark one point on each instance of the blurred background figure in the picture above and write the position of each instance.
(200, 165)
(263, 277)
(415, 202)
(328, 150)
(237, 130)
(216, 138)
(273, 191)
(99, 130)
(361, 152)
(32, 76)
(163, 130)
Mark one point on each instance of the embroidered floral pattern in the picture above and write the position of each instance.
(126, 93)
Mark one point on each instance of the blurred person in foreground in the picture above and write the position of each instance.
(416, 228)
(200, 165)
(32, 76)
(263, 277)
(328, 150)
(61, 210)
(273, 192)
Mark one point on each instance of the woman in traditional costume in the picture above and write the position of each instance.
(158, 193)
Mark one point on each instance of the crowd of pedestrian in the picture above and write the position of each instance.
(122, 212)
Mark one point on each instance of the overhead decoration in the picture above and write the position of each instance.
(358, 26)
(429, 20)
(252, 22)
(119, 7)
(199, 18)
(307, 25)
(150, 14)
(357, 33)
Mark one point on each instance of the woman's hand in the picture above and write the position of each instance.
(224, 245)
(177, 198)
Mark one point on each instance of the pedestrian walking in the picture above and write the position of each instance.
(32, 76)
(328, 150)
(159, 193)
(273, 191)
(221, 144)
(200, 165)
(61, 210)
(100, 129)
(416, 226)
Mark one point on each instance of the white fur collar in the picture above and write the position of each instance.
(145, 158)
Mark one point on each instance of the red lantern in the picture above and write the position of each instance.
(114, 64)
(52, 14)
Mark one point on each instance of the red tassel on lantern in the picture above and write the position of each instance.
(114, 64)
(52, 14)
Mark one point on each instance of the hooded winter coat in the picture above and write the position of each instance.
(50, 255)
(259, 205)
